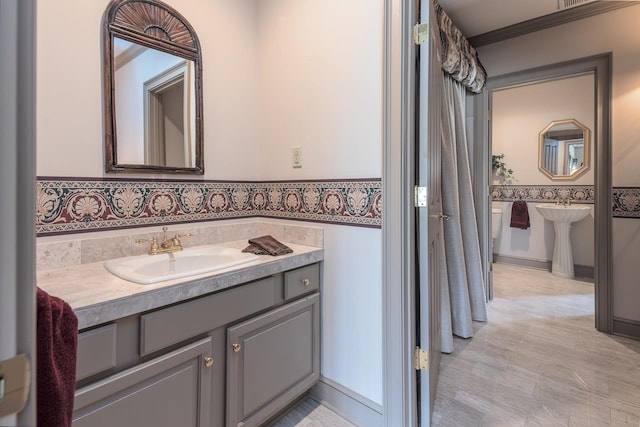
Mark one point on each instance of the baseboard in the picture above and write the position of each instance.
(581, 271)
(626, 328)
(348, 404)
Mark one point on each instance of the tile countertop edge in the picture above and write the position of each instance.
(98, 297)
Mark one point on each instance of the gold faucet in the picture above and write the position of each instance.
(563, 201)
(168, 245)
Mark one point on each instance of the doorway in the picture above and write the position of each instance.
(596, 68)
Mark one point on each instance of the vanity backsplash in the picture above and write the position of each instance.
(59, 254)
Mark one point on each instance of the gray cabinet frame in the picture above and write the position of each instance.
(271, 360)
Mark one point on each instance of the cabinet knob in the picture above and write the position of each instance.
(236, 347)
(208, 362)
(306, 282)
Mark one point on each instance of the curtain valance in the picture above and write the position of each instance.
(457, 56)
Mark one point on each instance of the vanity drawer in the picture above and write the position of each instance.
(96, 351)
(172, 325)
(301, 281)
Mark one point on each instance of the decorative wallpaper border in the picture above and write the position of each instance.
(75, 205)
(543, 193)
(626, 202)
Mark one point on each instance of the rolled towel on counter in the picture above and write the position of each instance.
(520, 215)
(267, 245)
(57, 345)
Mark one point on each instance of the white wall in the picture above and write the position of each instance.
(617, 32)
(69, 97)
(320, 88)
(518, 116)
(276, 73)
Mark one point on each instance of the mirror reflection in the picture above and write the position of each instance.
(155, 106)
(564, 149)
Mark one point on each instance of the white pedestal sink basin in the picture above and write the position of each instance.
(147, 269)
(562, 217)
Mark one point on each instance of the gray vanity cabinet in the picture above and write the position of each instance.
(168, 391)
(271, 360)
(234, 357)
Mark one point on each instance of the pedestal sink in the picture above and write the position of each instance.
(562, 217)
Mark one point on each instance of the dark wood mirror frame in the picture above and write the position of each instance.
(152, 24)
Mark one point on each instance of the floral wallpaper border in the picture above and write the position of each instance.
(543, 193)
(75, 205)
(626, 202)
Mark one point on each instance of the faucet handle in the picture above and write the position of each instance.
(176, 238)
(154, 244)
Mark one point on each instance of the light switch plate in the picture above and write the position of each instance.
(296, 159)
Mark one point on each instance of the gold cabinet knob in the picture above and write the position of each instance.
(306, 282)
(208, 362)
(236, 347)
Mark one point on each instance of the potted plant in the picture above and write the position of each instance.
(502, 172)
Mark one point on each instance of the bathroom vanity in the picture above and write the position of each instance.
(232, 348)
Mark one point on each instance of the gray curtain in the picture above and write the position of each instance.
(463, 298)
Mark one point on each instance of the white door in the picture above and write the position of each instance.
(429, 219)
(17, 241)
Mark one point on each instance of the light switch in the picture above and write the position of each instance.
(296, 160)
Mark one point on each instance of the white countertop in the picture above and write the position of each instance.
(97, 296)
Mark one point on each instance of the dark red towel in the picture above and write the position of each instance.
(520, 215)
(57, 342)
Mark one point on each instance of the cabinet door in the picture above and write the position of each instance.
(271, 360)
(171, 390)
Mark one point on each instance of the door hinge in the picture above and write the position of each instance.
(421, 359)
(420, 33)
(420, 197)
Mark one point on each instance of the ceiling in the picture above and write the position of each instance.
(475, 17)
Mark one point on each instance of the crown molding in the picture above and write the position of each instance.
(547, 21)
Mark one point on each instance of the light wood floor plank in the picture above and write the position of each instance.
(539, 361)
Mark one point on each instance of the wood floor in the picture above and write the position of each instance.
(538, 361)
(310, 413)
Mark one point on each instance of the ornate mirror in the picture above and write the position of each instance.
(564, 148)
(152, 89)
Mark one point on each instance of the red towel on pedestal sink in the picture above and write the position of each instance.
(520, 215)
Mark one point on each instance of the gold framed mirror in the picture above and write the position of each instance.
(152, 89)
(564, 148)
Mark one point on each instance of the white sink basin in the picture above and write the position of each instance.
(148, 269)
(559, 213)
(562, 218)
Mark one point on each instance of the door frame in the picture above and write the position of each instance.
(17, 162)
(398, 224)
(600, 67)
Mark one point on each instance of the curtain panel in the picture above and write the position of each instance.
(458, 58)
